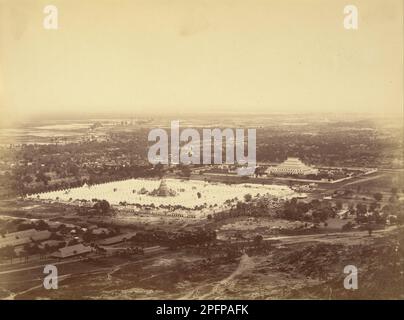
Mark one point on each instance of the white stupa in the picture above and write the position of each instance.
(163, 190)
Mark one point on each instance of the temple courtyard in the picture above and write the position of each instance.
(187, 194)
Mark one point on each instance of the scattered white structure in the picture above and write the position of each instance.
(292, 166)
(343, 214)
(188, 193)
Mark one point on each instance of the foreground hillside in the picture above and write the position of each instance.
(297, 267)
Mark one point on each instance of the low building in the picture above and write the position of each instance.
(100, 231)
(20, 234)
(22, 237)
(54, 224)
(51, 243)
(12, 242)
(343, 214)
(117, 239)
(71, 251)
(41, 235)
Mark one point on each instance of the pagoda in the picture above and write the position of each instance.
(163, 190)
(292, 166)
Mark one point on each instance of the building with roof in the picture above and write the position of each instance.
(41, 235)
(343, 214)
(20, 234)
(71, 251)
(292, 166)
(52, 243)
(117, 239)
(12, 242)
(100, 231)
(22, 237)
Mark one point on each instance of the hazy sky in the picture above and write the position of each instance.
(205, 56)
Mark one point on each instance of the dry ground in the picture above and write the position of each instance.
(294, 267)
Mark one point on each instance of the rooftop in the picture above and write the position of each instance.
(71, 251)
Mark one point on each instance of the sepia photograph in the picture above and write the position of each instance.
(185, 150)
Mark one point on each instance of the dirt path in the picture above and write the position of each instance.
(42, 264)
(245, 264)
(329, 236)
(14, 294)
(218, 289)
(365, 179)
(117, 268)
(39, 266)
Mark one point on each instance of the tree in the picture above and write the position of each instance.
(102, 206)
(393, 198)
(378, 196)
(27, 179)
(361, 208)
(373, 206)
(42, 225)
(159, 170)
(258, 240)
(247, 197)
(72, 169)
(185, 171)
(338, 205)
(322, 214)
(41, 177)
(88, 236)
(370, 229)
(347, 226)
